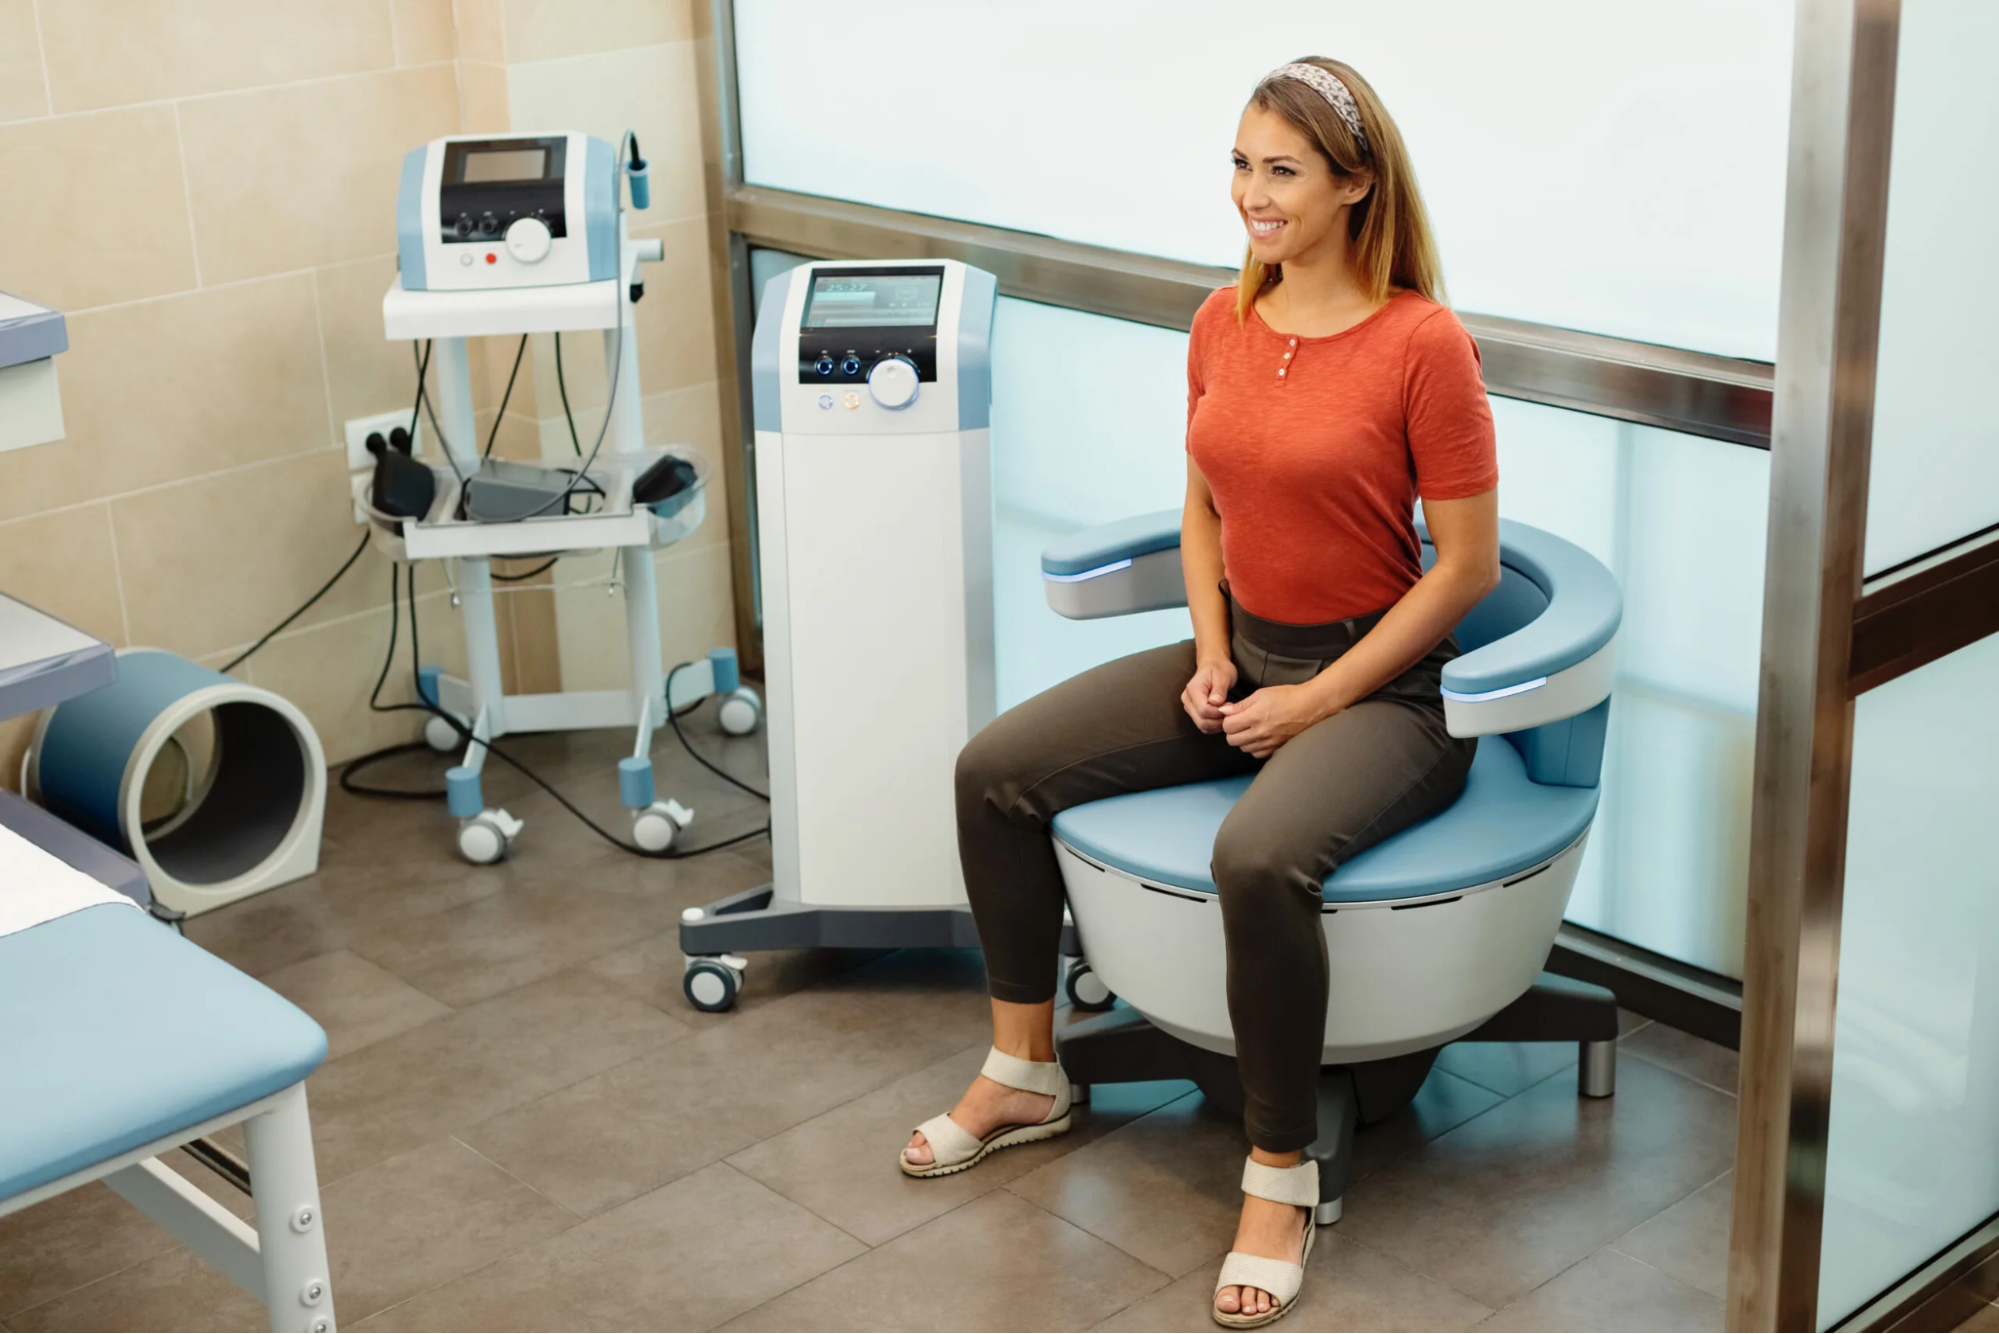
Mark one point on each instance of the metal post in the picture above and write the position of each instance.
(475, 574)
(1835, 224)
(628, 441)
(291, 1235)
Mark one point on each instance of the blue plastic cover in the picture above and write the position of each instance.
(29, 332)
(975, 350)
(600, 207)
(1503, 824)
(1584, 606)
(1108, 543)
(89, 740)
(115, 1032)
(766, 376)
(409, 221)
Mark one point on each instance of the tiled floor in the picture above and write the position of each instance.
(523, 1125)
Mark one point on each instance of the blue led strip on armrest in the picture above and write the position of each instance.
(1101, 570)
(1501, 693)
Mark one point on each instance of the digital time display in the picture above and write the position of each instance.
(873, 300)
(505, 164)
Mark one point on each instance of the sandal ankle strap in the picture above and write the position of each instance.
(1297, 1185)
(1027, 1076)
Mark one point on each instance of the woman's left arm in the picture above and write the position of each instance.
(1466, 534)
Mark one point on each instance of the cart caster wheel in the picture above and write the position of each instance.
(1086, 991)
(485, 838)
(440, 735)
(658, 825)
(741, 711)
(712, 984)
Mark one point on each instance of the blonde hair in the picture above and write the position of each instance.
(1388, 232)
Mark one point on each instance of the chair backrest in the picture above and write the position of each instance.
(1568, 752)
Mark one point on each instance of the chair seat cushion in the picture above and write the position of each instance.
(115, 1032)
(1503, 823)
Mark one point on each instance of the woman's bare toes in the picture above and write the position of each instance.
(918, 1153)
(1227, 1301)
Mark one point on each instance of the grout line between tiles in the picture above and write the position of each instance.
(724, 1162)
(1672, 1070)
(335, 437)
(186, 195)
(118, 573)
(1674, 1279)
(395, 38)
(42, 58)
(511, 1176)
(101, 1278)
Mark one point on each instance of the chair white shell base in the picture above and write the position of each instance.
(1404, 976)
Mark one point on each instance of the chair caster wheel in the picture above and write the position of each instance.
(1086, 991)
(440, 735)
(713, 982)
(741, 711)
(658, 825)
(486, 837)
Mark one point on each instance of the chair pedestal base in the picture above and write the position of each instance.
(1121, 1046)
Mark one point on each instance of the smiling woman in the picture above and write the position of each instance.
(1358, 160)
(1326, 393)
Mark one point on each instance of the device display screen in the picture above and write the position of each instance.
(505, 164)
(872, 300)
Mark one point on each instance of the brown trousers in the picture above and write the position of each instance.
(1335, 789)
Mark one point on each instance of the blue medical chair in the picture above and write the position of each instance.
(1438, 934)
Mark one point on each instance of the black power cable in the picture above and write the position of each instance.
(506, 397)
(304, 607)
(562, 388)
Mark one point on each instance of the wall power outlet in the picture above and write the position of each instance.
(358, 431)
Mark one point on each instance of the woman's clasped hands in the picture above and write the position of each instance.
(1257, 725)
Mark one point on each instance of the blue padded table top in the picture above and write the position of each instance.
(1503, 823)
(115, 1032)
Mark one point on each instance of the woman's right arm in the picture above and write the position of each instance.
(1201, 566)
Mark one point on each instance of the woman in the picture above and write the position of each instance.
(1327, 391)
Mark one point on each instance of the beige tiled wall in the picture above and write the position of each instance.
(206, 188)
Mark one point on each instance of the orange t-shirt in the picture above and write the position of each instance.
(1316, 449)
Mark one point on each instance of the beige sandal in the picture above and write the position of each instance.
(953, 1148)
(1297, 1186)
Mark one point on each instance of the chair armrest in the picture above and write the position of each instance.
(1556, 666)
(1116, 569)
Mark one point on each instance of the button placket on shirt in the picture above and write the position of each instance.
(1287, 359)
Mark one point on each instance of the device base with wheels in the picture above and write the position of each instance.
(657, 826)
(741, 711)
(757, 919)
(484, 838)
(1084, 989)
(712, 984)
(440, 735)
(1122, 1046)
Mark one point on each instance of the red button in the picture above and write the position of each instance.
(492, 258)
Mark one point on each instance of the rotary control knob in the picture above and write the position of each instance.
(893, 382)
(528, 240)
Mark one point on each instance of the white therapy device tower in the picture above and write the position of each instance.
(523, 235)
(872, 387)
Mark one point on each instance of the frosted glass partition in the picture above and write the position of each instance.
(1935, 469)
(1088, 419)
(1912, 1154)
(1616, 168)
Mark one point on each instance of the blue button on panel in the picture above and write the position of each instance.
(825, 400)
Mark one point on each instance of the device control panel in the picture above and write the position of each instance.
(521, 210)
(861, 317)
(491, 184)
